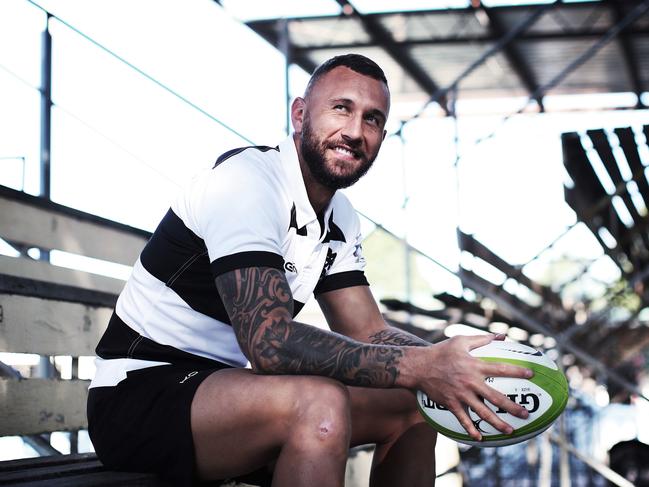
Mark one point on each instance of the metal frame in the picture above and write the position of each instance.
(513, 56)
(628, 52)
(384, 39)
(496, 33)
(46, 110)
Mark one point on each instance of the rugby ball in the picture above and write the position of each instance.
(545, 396)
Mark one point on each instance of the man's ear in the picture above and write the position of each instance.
(297, 113)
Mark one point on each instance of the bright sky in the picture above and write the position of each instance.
(122, 145)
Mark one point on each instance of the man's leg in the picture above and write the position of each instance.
(242, 421)
(405, 444)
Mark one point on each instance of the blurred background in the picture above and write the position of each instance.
(510, 194)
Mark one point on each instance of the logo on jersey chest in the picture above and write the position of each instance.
(329, 261)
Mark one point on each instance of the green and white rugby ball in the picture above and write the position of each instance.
(545, 396)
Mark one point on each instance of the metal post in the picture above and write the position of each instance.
(545, 465)
(564, 459)
(404, 207)
(46, 110)
(74, 435)
(497, 467)
(285, 47)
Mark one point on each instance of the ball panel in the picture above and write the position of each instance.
(539, 369)
(514, 351)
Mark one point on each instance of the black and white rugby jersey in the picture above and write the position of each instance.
(250, 209)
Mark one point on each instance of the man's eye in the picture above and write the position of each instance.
(373, 119)
(340, 107)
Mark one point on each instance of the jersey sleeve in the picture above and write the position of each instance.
(236, 209)
(345, 264)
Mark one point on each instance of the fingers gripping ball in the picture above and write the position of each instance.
(545, 396)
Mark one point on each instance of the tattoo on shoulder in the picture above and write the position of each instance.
(260, 306)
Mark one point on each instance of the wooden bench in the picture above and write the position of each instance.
(54, 311)
(66, 470)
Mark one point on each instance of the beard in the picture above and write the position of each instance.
(314, 154)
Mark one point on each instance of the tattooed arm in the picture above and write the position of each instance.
(353, 312)
(260, 305)
(394, 336)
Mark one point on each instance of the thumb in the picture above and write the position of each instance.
(482, 340)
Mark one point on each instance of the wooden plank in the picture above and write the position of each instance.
(36, 469)
(48, 462)
(48, 229)
(470, 244)
(96, 479)
(43, 271)
(58, 292)
(35, 406)
(48, 327)
(630, 148)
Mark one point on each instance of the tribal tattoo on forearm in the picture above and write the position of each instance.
(260, 305)
(400, 338)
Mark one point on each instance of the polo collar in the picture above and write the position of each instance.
(304, 213)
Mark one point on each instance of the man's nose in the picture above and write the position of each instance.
(353, 130)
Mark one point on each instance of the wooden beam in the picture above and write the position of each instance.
(28, 221)
(48, 327)
(23, 286)
(34, 406)
(602, 145)
(470, 244)
(629, 146)
(43, 271)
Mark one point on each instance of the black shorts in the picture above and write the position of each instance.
(143, 424)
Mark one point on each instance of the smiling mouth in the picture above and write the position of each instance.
(346, 151)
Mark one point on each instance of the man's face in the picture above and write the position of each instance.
(342, 126)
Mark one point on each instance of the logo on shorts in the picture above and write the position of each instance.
(189, 376)
(290, 267)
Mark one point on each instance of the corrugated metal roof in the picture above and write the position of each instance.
(424, 52)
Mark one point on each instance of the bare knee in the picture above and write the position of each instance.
(322, 414)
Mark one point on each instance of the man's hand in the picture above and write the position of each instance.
(451, 376)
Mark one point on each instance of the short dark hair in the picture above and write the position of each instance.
(355, 62)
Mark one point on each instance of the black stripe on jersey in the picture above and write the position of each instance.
(178, 257)
(297, 307)
(334, 233)
(247, 259)
(122, 341)
(293, 223)
(226, 155)
(340, 280)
